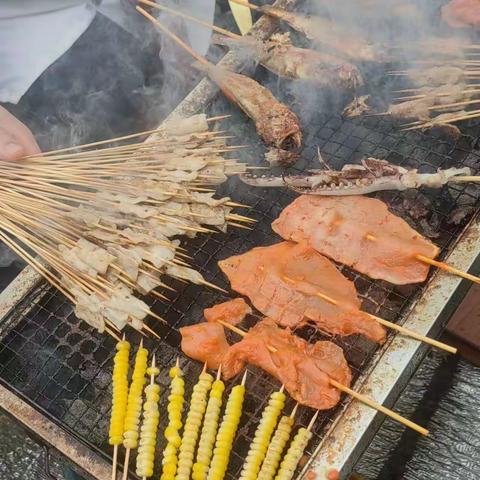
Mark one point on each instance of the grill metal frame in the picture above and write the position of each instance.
(341, 437)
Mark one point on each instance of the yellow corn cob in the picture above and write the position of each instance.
(148, 430)
(175, 409)
(294, 454)
(198, 404)
(119, 393)
(275, 449)
(209, 431)
(264, 432)
(226, 433)
(134, 405)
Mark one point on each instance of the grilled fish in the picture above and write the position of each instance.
(275, 122)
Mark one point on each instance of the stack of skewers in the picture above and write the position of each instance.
(198, 443)
(102, 222)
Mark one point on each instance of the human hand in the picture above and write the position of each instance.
(16, 139)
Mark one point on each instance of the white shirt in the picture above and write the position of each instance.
(35, 33)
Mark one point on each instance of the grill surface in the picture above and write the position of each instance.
(61, 367)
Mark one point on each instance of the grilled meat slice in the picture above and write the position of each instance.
(233, 311)
(339, 227)
(303, 368)
(284, 281)
(205, 342)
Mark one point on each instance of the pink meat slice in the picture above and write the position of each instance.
(359, 232)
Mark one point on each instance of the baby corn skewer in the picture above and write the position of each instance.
(263, 434)
(209, 429)
(198, 404)
(295, 451)
(277, 444)
(149, 428)
(134, 405)
(227, 431)
(119, 399)
(175, 409)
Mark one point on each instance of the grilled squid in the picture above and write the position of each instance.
(119, 393)
(198, 404)
(294, 454)
(264, 432)
(276, 447)
(209, 431)
(175, 409)
(149, 428)
(134, 405)
(226, 433)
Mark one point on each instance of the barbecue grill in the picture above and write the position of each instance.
(55, 372)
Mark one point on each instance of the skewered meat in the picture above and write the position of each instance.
(233, 311)
(420, 109)
(372, 175)
(438, 75)
(87, 257)
(205, 342)
(128, 260)
(285, 60)
(412, 109)
(461, 13)
(323, 31)
(303, 368)
(339, 228)
(275, 123)
(282, 282)
(176, 126)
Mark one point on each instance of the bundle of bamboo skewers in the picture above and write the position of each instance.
(101, 222)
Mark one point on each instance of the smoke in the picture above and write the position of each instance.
(391, 28)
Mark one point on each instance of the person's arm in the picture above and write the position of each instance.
(16, 139)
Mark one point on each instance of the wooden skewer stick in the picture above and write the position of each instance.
(114, 462)
(436, 263)
(386, 323)
(377, 406)
(452, 105)
(222, 31)
(245, 3)
(174, 37)
(358, 396)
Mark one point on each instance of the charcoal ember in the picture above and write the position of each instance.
(416, 205)
(430, 227)
(458, 215)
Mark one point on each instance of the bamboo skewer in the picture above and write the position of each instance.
(386, 323)
(174, 37)
(358, 396)
(222, 31)
(436, 263)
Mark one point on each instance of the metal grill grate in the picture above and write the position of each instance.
(60, 366)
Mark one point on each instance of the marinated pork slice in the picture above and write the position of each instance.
(305, 369)
(205, 342)
(285, 282)
(360, 232)
(233, 311)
